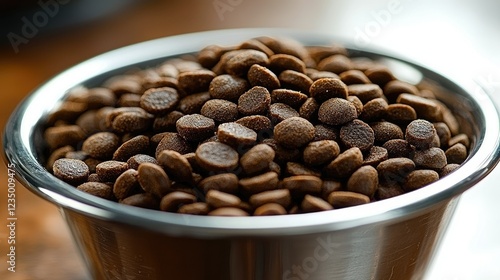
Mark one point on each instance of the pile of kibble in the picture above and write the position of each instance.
(267, 127)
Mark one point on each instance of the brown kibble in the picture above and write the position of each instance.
(419, 178)
(327, 88)
(197, 208)
(124, 84)
(195, 81)
(195, 127)
(97, 189)
(261, 76)
(320, 152)
(109, 170)
(129, 100)
(295, 80)
(254, 44)
(364, 181)
(459, 138)
(420, 133)
(289, 97)
(379, 74)
(450, 167)
(283, 154)
(153, 179)
(316, 75)
(143, 200)
(240, 63)
(259, 183)
(137, 145)
(159, 100)
(319, 53)
(167, 122)
(280, 111)
(295, 168)
(59, 136)
(101, 145)
(385, 192)
(400, 113)
(220, 110)
(236, 135)
(228, 212)
(255, 101)
(175, 165)
(216, 156)
(399, 148)
(365, 92)
(344, 164)
(57, 154)
(314, 204)
(337, 111)
(309, 109)
(456, 153)
(443, 133)
(281, 197)
(342, 199)
(385, 131)
(432, 158)
(282, 62)
(190, 104)
(132, 121)
(210, 55)
(374, 110)
(270, 209)
(330, 186)
(68, 111)
(303, 184)
(228, 87)
(294, 132)
(325, 132)
(173, 141)
(357, 134)
(351, 77)
(257, 159)
(172, 201)
(375, 156)
(357, 104)
(395, 170)
(71, 171)
(336, 63)
(256, 122)
(425, 108)
(126, 184)
(225, 182)
(218, 199)
(394, 88)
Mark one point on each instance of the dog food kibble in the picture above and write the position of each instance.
(266, 127)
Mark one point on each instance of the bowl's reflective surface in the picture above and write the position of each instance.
(392, 238)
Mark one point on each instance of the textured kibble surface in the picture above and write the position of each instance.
(265, 127)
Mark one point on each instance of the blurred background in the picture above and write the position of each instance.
(39, 39)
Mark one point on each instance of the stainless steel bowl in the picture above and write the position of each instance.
(390, 239)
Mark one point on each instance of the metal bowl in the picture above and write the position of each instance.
(389, 239)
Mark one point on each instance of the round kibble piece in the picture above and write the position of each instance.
(327, 88)
(287, 96)
(167, 122)
(228, 87)
(365, 92)
(153, 179)
(395, 170)
(101, 145)
(330, 186)
(190, 104)
(259, 183)
(60, 136)
(325, 132)
(337, 111)
(197, 208)
(357, 134)
(143, 200)
(135, 160)
(433, 158)
(173, 141)
(225, 182)
(357, 104)
(336, 63)
(351, 77)
(228, 212)
(195, 81)
(345, 164)
(425, 108)
(379, 74)
(220, 110)
(295, 168)
(256, 122)
(57, 154)
(394, 88)
(137, 145)
(71, 171)
(320, 152)
(281, 197)
(236, 135)
(281, 111)
(309, 109)
(400, 113)
(255, 101)
(218, 199)
(109, 170)
(241, 62)
(459, 138)
(303, 184)
(216, 156)
(314, 204)
(261, 76)
(295, 80)
(172, 201)
(294, 132)
(385, 131)
(282, 62)
(374, 109)
(342, 199)
(195, 127)
(159, 100)
(126, 184)
(257, 159)
(364, 181)
(270, 209)
(443, 133)
(448, 169)
(419, 178)
(375, 156)
(420, 133)
(97, 189)
(132, 122)
(456, 153)
(399, 148)
(175, 165)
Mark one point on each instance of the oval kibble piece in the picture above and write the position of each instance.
(137, 145)
(419, 178)
(71, 171)
(255, 101)
(344, 164)
(289, 97)
(220, 110)
(197, 208)
(326, 132)
(294, 132)
(281, 197)
(259, 183)
(303, 184)
(172, 201)
(395, 170)
(459, 138)
(420, 133)
(57, 154)
(159, 100)
(456, 153)
(190, 104)
(443, 133)
(262, 76)
(210, 55)
(394, 88)
(218, 199)
(143, 200)
(132, 122)
(256, 122)
(314, 204)
(60, 136)
(195, 127)
(282, 62)
(357, 134)
(228, 212)
(365, 92)
(173, 141)
(399, 148)
(432, 158)
(354, 76)
(280, 111)
(175, 165)
(295, 80)
(126, 184)
(109, 170)
(270, 209)
(336, 63)
(295, 168)
(195, 81)
(375, 156)
(337, 111)
(425, 108)
(385, 131)
(254, 44)
(374, 110)
(97, 189)
(153, 179)
(379, 74)
(236, 135)
(228, 87)
(309, 109)
(327, 88)
(101, 145)
(330, 186)
(225, 182)
(240, 63)
(385, 192)
(364, 181)
(400, 113)
(450, 167)
(357, 104)
(320, 152)
(257, 159)
(216, 156)
(134, 161)
(342, 199)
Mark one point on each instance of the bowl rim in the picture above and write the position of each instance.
(19, 149)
